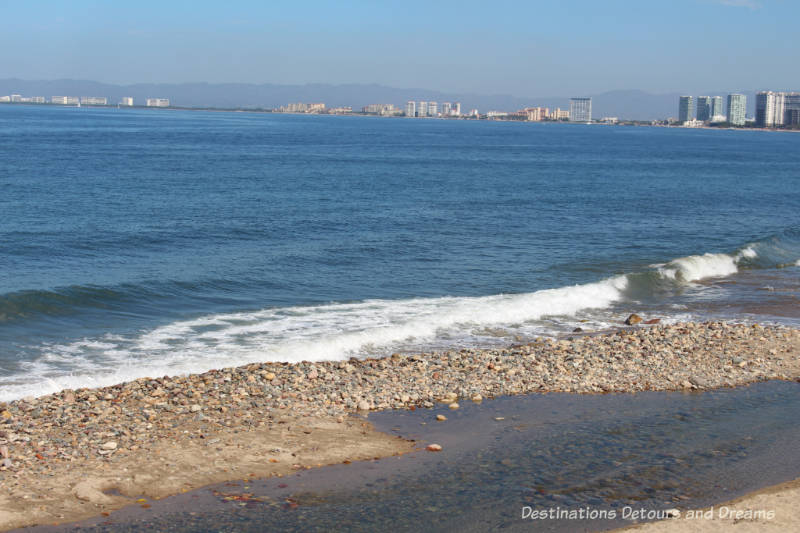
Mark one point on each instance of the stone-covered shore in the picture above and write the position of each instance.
(78, 453)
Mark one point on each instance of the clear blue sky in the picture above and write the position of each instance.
(535, 48)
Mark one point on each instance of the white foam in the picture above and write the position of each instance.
(747, 252)
(797, 263)
(697, 267)
(327, 332)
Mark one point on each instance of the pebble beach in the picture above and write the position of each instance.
(83, 452)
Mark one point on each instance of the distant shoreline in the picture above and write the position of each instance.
(263, 111)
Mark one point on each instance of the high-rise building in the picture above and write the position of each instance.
(433, 109)
(717, 109)
(685, 109)
(411, 108)
(737, 106)
(126, 101)
(704, 108)
(765, 109)
(580, 109)
(457, 109)
(791, 109)
(422, 109)
(447, 109)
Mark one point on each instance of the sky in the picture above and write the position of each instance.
(523, 48)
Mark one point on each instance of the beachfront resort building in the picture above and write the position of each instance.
(380, 109)
(685, 109)
(64, 100)
(737, 106)
(126, 101)
(94, 100)
(157, 102)
(411, 108)
(580, 109)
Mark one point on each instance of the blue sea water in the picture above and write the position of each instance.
(149, 242)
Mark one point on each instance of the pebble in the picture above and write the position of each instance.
(73, 425)
(433, 448)
(441, 418)
(454, 406)
(110, 445)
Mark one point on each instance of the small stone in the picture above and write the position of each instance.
(633, 319)
(269, 376)
(6, 415)
(477, 398)
(363, 405)
(108, 397)
(6, 463)
(110, 445)
(433, 448)
(454, 406)
(4, 452)
(441, 418)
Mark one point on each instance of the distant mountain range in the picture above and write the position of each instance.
(627, 104)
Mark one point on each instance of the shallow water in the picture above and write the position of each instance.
(651, 450)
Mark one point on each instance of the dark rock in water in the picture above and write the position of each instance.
(577, 330)
(653, 321)
(633, 319)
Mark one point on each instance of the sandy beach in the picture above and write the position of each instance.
(770, 509)
(80, 453)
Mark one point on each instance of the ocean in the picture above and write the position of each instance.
(157, 242)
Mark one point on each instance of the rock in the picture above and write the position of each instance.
(454, 406)
(4, 452)
(91, 490)
(363, 405)
(6, 463)
(110, 445)
(653, 321)
(6, 415)
(433, 448)
(195, 408)
(577, 330)
(477, 398)
(633, 319)
(441, 418)
(269, 376)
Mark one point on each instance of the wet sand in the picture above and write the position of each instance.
(79, 453)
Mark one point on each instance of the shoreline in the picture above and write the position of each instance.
(632, 123)
(76, 454)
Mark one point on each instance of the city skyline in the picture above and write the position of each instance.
(346, 43)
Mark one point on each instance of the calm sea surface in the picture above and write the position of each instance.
(137, 242)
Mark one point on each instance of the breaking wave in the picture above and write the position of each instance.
(341, 330)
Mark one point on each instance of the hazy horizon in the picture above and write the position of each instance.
(520, 49)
